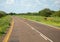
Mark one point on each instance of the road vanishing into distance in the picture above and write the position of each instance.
(28, 31)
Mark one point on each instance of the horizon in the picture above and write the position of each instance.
(24, 6)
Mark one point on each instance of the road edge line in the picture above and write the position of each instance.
(9, 32)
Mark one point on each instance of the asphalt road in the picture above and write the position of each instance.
(29, 31)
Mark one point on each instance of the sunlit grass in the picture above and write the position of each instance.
(55, 21)
(4, 24)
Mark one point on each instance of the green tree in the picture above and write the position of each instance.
(45, 12)
(57, 13)
(12, 13)
(2, 13)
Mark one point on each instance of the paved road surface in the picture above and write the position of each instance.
(29, 31)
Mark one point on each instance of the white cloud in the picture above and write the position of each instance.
(46, 6)
(38, 2)
(57, 2)
(25, 3)
(10, 2)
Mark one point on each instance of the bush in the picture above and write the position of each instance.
(45, 12)
(56, 14)
(2, 14)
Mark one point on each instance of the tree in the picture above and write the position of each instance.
(57, 13)
(45, 12)
(12, 13)
(2, 13)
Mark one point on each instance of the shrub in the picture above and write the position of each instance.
(2, 13)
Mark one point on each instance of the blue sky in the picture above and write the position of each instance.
(21, 6)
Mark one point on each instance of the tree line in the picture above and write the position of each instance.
(48, 13)
(45, 12)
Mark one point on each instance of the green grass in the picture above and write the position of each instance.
(55, 21)
(4, 24)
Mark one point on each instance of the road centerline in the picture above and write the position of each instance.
(41, 34)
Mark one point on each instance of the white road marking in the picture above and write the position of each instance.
(43, 23)
(46, 38)
(41, 34)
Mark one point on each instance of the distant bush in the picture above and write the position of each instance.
(45, 12)
(56, 14)
(12, 13)
(2, 13)
(50, 18)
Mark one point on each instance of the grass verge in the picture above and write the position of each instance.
(4, 24)
(54, 21)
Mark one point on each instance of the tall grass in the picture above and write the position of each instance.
(4, 24)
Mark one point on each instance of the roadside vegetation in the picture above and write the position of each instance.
(46, 16)
(4, 22)
(54, 21)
